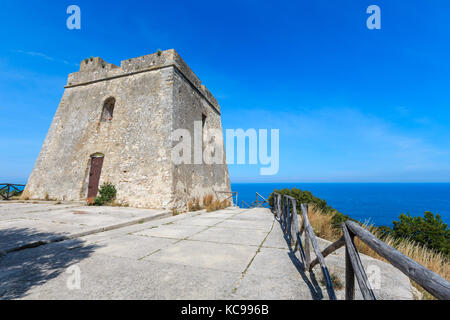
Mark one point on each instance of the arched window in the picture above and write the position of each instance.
(108, 110)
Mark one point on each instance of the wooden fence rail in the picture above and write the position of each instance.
(227, 196)
(427, 279)
(8, 190)
(260, 202)
(285, 209)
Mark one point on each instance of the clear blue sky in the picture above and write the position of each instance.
(351, 104)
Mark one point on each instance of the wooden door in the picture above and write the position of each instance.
(94, 176)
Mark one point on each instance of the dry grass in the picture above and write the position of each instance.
(430, 259)
(194, 205)
(321, 223)
(218, 205)
(209, 203)
(207, 200)
(337, 283)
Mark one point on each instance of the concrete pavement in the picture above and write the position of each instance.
(23, 224)
(228, 254)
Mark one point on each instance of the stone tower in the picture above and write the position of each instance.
(115, 125)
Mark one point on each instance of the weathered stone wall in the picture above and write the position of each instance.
(196, 180)
(154, 94)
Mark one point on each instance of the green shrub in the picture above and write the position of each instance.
(302, 197)
(428, 230)
(382, 231)
(107, 194)
(309, 198)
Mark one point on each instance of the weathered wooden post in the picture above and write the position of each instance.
(279, 206)
(349, 271)
(294, 226)
(307, 236)
(288, 221)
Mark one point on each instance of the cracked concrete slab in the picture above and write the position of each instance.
(231, 236)
(130, 246)
(217, 256)
(23, 224)
(113, 278)
(199, 221)
(262, 288)
(244, 224)
(170, 231)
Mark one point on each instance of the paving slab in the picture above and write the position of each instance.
(276, 263)
(131, 246)
(118, 278)
(244, 224)
(217, 256)
(20, 209)
(22, 224)
(200, 221)
(275, 239)
(170, 231)
(220, 215)
(231, 236)
(261, 288)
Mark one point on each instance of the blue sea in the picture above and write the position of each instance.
(379, 203)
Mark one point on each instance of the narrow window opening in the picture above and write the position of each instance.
(108, 110)
(203, 121)
(203, 130)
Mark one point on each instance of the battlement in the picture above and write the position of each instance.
(96, 69)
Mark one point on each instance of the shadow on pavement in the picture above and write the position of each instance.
(311, 282)
(22, 270)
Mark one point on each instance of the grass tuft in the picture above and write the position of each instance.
(218, 205)
(209, 203)
(335, 280)
(194, 205)
(207, 200)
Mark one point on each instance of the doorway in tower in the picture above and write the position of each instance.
(94, 175)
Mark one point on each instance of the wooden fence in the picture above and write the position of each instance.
(285, 208)
(260, 202)
(8, 190)
(227, 196)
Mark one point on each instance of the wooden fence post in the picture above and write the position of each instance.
(307, 235)
(349, 271)
(349, 277)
